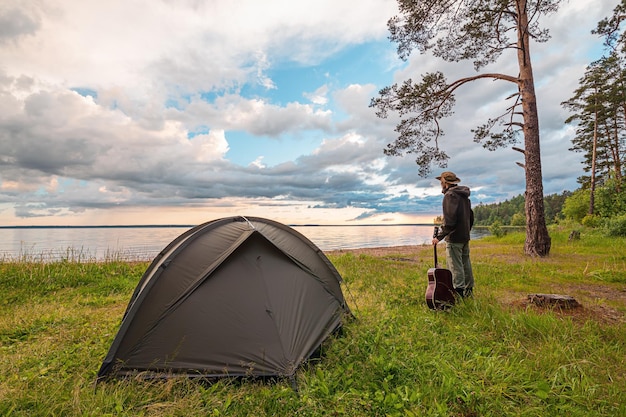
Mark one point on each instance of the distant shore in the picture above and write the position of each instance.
(150, 226)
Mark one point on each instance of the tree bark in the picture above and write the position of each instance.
(538, 241)
(594, 150)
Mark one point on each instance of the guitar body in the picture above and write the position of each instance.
(440, 294)
(440, 291)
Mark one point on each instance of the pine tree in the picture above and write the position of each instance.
(599, 107)
(481, 31)
(589, 103)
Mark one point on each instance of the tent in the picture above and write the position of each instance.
(231, 297)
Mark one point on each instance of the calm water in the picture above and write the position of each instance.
(144, 243)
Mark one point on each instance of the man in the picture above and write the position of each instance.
(458, 219)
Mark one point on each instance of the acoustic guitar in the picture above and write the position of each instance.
(440, 290)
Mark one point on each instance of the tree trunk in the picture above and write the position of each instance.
(613, 151)
(592, 191)
(617, 152)
(538, 241)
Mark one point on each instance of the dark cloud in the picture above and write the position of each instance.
(16, 23)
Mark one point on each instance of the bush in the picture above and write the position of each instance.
(610, 199)
(591, 220)
(496, 229)
(616, 226)
(576, 206)
(518, 219)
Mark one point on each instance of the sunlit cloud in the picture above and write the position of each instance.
(164, 112)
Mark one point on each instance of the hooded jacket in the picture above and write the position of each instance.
(458, 217)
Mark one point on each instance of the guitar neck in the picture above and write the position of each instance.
(436, 233)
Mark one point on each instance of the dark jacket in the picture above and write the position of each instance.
(458, 217)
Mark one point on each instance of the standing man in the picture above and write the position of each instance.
(458, 219)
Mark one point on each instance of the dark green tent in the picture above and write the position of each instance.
(232, 297)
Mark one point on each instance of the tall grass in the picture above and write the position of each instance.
(492, 355)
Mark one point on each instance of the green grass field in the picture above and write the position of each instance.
(493, 355)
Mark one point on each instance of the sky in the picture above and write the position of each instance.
(126, 112)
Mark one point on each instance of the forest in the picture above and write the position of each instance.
(511, 212)
(598, 112)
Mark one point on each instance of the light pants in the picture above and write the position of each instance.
(458, 262)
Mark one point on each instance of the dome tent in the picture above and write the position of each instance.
(231, 297)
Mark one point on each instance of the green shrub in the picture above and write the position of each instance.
(591, 220)
(616, 226)
(496, 229)
(576, 206)
(610, 199)
(518, 219)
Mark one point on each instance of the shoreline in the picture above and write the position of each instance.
(80, 256)
(379, 251)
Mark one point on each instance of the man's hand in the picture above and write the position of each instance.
(435, 241)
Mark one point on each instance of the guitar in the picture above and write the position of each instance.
(440, 290)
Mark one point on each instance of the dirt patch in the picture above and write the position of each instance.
(581, 313)
(384, 252)
(593, 299)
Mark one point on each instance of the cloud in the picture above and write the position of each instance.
(110, 107)
(258, 117)
(16, 23)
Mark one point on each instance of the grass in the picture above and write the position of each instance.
(493, 355)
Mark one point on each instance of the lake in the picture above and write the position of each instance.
(144, 243)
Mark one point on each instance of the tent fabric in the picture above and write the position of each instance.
(239, 296)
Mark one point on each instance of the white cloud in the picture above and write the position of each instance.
(126, 104)
(258, 163)
(318, 96)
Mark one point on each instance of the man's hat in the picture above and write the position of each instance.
(449, 177)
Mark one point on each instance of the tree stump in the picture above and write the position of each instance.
(553, 300)
(574, 235)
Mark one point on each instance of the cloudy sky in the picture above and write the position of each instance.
(183, 111)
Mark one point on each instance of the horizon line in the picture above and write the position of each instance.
(114, 226)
